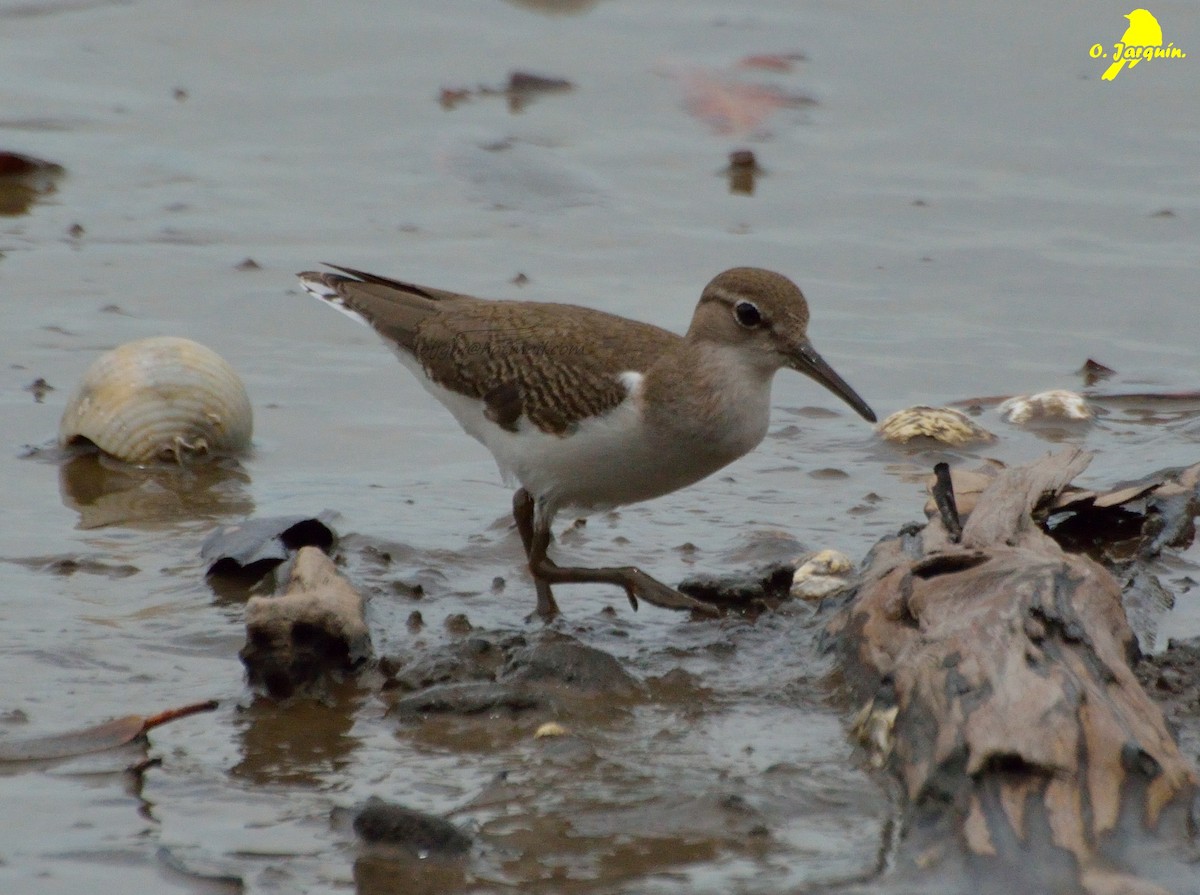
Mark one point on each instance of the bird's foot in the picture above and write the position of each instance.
(639, 585)
(636, 584)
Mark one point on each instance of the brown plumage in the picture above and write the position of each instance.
(554, 364)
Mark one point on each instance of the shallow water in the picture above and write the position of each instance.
(970, 210)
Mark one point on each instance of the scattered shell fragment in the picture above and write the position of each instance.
(1057, 404)
(822, 574)
(944, 424)
(874, 727)
(550, 729)
(162, 398)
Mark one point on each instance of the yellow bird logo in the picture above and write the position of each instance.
(1143, 31)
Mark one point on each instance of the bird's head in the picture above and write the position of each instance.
(764, 316)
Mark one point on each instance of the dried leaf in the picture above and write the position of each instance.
(108, 735)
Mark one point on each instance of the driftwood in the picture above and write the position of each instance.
(315, 632)
(995, 672)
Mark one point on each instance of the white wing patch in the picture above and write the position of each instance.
(632, 380)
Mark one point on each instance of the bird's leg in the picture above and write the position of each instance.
(523, 513)
(637, 584)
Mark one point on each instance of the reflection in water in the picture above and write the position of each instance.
(556, 7)
(107, 492)
(391, 871)
(1180, 410)
(298, 742)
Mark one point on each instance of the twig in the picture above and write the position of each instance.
(943, 496)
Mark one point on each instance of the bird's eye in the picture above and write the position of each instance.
(747, 314)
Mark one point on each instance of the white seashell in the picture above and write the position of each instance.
(162, 398)
(1057, 404)
(944, 424)
(875, 729)
(822, 574)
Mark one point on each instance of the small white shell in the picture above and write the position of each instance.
(875, 729)
(824, 573)
(1057, 404)
(162, 398)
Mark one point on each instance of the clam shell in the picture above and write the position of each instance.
(162, 398)
(824, 573)
(1057, 404)
(944, 424)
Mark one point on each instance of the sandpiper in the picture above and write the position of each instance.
(587, 410)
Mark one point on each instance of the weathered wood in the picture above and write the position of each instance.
(315, 632)
(998, 689)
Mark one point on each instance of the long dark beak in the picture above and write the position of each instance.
(804, 359)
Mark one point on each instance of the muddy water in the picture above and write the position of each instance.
(971, 211)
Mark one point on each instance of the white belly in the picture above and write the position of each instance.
(609, 460)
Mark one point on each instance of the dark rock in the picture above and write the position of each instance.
(756, 590)
(473, 659)
(424, 835)
(489, 672)
(469, 699)
(477, 657)
(25, 180)
(14, 164)
(556, 659)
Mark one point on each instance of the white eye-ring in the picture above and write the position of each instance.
(747, 314)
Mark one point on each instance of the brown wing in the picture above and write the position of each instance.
(553, 364)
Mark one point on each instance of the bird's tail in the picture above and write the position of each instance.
(394, 309)
(1111, 73)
